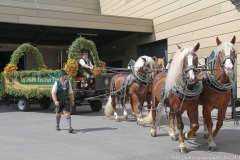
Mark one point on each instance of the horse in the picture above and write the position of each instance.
(133, 86)
(179, 90)
(217, 85)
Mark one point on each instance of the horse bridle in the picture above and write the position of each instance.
(188, 68)
(222, 61)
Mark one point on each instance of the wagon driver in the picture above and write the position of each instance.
(85, 67)
(63, 98)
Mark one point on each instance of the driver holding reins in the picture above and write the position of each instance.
(85, 67)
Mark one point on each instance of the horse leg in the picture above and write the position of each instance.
(209, 125)
(172, 130)
(221, 116)
(153, 126)
(194, 125)
(125, 115)
(132, 107)
(117, 119)
(180, 126)
(149, 102)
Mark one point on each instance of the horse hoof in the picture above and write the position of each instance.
(125, 117)
(206, 136)
(183, 150)
(153, 134)
(174, 138)
(212, 148)
(117, 120)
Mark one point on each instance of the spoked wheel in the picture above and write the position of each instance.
(45, 102)
(96, 105)
(23, 104)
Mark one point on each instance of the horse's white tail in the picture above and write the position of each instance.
(108, 109)
(147, 119)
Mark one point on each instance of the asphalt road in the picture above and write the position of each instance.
(32, 136)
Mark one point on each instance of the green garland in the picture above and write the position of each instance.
(17, 54)
(81, 43)
(27, 48)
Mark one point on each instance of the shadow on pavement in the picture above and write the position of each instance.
(94, 129)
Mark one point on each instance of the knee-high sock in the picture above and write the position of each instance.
(58, 118)
(68, 120)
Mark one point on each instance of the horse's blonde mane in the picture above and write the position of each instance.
(140, 62)
(224, 46)
(174, 75)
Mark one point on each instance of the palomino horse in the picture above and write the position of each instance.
(134, 86)
(179, 90)
(217, 87)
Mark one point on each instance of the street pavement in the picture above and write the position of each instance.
(32, 136)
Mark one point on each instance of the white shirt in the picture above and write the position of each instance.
(81, 61)
(54, 89)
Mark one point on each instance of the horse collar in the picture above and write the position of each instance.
(213, 82)
(141, 80)
(181, 91)
(215, 85)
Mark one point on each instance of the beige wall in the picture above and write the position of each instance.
(68, 13)
(184, 22)
(86, 6)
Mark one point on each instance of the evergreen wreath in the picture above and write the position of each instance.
(11, 68)
(77, 46)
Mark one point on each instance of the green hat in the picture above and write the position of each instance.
(84, 52)
(63, 72)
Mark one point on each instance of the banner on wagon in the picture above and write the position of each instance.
(29, 82)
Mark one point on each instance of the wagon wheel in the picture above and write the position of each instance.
(45, 102)
(23, 104)
(96, 105)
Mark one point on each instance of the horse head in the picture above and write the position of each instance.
(226, 55)
(144, 68)
(183, 68)
(190, 64)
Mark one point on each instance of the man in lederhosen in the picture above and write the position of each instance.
(63, 98)
(85, 67)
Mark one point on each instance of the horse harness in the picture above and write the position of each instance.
(210, 77)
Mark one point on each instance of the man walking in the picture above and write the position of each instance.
(63, 98)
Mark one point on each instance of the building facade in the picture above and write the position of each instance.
(152, 27)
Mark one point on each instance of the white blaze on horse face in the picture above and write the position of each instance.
(228, 63)
(190, 63)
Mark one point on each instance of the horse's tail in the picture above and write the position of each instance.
(108, 109)
(147, 119)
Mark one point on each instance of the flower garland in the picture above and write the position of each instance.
(101, 67)
(10, 68)
(71, 67)
(78, 45)
(44, 67)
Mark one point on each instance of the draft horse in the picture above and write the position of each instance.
(134, 86)
(179, 90)
(218, 83)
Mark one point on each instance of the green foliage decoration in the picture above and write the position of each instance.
(83, 44)
(27, 48)
(17, 54)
